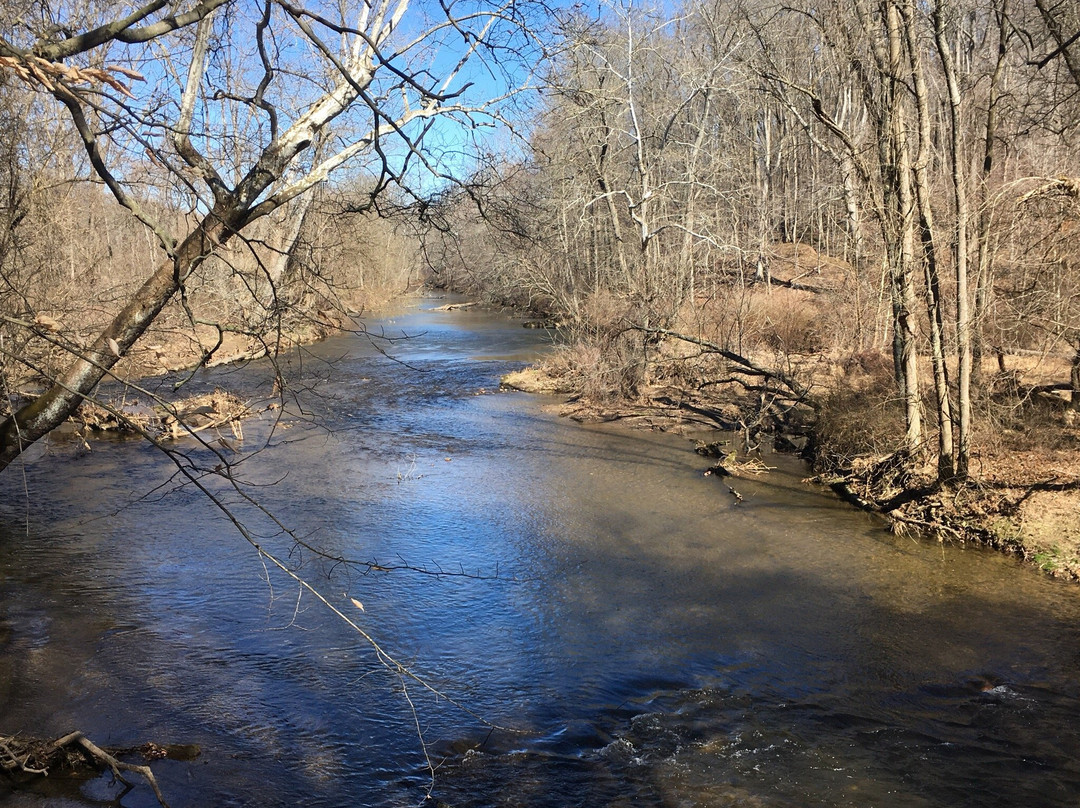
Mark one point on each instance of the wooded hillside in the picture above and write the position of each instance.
(870, 208)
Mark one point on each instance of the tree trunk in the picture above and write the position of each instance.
(928, 234)
(599, 169)
(963, 307)
(34, 420)
(763, 165)
(898, 181)
(1069, 52)
(1075, 378)
(853, 222)
(984, 272)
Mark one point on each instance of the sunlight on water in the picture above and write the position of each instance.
(639, 638)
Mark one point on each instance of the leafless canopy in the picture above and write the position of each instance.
(230, 109)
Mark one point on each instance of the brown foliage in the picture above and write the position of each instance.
(862, 415)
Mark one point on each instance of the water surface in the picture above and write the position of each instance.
(639, 638)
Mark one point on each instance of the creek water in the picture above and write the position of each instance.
(637, 636)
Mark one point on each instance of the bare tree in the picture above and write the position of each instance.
(681, 148)
(1062, 21)
(929, 238)
(237, 109)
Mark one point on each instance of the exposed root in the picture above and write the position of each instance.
(913, 502)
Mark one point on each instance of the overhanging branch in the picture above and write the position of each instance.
(802, 393)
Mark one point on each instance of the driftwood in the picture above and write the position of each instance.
(729, 464)
(186, 417)
(24, 759)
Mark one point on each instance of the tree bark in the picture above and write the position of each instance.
(935, 316)
(984, 263)
(1074, 377)
(898, 182)
(960, 255)
(36, 419)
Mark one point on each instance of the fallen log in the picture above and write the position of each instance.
(166, 421)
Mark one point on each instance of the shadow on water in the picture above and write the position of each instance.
(655, 643)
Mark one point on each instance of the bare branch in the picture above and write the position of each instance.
(121, 30)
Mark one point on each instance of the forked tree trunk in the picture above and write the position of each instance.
(960, 256)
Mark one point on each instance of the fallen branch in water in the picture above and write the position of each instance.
(171, 421)
(75, 753)
(729, 464)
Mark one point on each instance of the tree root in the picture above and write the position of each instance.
(913, 503)
(74, 752)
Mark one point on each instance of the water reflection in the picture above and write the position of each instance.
(655, 643)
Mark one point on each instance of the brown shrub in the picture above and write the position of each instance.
(859, 419)
(796, 331)
(867, 369)
(599, 369)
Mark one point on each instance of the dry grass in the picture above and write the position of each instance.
(1024, 492)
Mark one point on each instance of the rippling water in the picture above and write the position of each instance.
(648, 641)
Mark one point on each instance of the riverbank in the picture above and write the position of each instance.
(166, 349)
(1022, 497)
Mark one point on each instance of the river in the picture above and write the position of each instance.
(636, 636)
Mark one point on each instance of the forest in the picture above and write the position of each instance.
(861, 216)
(847, 230)
(848, 226)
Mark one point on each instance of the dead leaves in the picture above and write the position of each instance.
(48, 323)
(36, 71)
